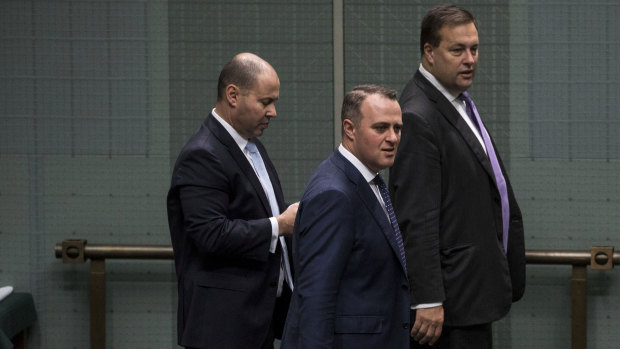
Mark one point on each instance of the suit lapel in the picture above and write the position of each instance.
(452, 115)
(233, 149)
(273, 174)
(368, 197)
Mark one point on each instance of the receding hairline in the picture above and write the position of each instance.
(354, 99)
(248, 58)
(243, 71)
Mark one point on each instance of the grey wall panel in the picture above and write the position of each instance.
(97, 98)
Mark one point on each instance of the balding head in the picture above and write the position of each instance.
(247, 91)
(242, 71)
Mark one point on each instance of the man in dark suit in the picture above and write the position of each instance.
(460, 221)
(351, 288)
(225, 223)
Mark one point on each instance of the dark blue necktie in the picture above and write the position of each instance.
(383, 190)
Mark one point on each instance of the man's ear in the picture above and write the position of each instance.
(428, 53)
(349, 129)
(232, 95)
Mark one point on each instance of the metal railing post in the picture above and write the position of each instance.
(97, 303)
(579, 300)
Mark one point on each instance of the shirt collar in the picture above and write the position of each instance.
(365, 171)
(241, 142)
(431, 78)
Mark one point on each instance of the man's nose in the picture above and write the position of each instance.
(271, 111)
(469, 57)
(392, 135)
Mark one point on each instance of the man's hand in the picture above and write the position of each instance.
(428, 324)
(286, 220)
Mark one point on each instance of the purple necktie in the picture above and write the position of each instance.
(383, 190)
(472, 112)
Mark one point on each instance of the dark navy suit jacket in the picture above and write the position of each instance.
(219, 224)
(351, 288)
(449, 210)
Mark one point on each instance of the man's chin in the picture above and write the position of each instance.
(465, 84)
(387, 163)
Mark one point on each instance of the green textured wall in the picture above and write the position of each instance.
(97, 98)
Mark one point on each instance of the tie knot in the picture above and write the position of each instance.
(378, 181)
(251, 147)
(464, 97)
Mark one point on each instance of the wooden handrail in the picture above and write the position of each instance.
(78, 251)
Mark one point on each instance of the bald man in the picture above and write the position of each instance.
(228, 220)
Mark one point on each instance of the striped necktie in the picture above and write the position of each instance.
(383, 190)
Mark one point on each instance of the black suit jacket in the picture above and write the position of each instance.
(449, 210)
(218, 215)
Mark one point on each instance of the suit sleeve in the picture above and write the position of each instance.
(516, 243)
(416, 181)
(324, 239)
(221, 215)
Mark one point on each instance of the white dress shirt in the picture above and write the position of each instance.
(368, 175)
(456, 102)
(242, 142)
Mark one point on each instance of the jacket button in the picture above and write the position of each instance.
(405, 287)
(273, 284)
(405, 325)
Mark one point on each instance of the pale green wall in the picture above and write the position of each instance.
(97, 97)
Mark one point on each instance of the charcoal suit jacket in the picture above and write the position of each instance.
(219, 224)
(449, 210)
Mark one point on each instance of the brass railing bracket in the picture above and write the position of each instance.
(73, 251)
(602, 257)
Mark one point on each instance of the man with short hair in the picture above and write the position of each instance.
(351, 288)
(228, 219)
(461, 224)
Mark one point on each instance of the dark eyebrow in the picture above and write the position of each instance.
(380, 125)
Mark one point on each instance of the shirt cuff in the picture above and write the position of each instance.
(425, 305)
(274, 234)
